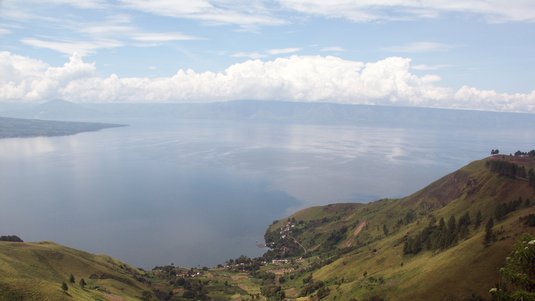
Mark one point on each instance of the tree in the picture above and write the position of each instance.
(489, 235)
(11, 238)
(64, 287)
(531, 177)
(518, 273)
(146, 296)
(323, 292)
(71, 279)
(477, 222)
(452, 230)
(82, 283)
(385, 230)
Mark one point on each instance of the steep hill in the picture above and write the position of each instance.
(398, 249)
(36, 271)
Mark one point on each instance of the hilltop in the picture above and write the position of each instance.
(36, 271)
(444, 242)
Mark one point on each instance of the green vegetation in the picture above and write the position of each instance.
(447, 241)
(47, 271)
(12, 238)
(518, 274)
(16, 127)
(459, 227)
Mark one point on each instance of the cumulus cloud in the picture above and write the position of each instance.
(299, 78)
(27, 79)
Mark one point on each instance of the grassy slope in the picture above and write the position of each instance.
(35, 271)
(466, 268)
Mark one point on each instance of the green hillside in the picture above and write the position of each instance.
(396, 250)
(36, 271)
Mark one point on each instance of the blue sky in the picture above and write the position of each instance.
(434, 53)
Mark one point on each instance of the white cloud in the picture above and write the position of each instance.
(92, 4)
(69, 47)
(250, 55)
(240, 12)
(378, 10)
(332, 49)
(299, 78)
(28, 79)
(162, 37)
(266, 53)
(4, 31)
(424, 67)
(283, 51)
(419, 47)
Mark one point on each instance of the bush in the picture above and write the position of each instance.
(11, 238)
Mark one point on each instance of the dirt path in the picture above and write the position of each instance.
(111, 297)
(359, 228)
(302, 247)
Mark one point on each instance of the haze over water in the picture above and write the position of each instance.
(200, 192)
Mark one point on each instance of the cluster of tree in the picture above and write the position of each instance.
(409, 217)
(439, 236)
(11, 238)
(531, 153)
(244, 264)
(531, 177)
(269, 288)
(273, 292)
(529, 220)
(72, 280)
(334, 238)
(311, 286)
(518, 153)
(518, 274)
(503, 209)
(193, 288)
(505, 168)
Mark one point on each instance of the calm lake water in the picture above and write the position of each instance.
(200, 192)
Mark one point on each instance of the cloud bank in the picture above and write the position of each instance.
(297, 78)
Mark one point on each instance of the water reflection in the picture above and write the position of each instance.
(202, 192)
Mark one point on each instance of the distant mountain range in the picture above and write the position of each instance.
(269, 112)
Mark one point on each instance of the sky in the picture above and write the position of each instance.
(477, 54)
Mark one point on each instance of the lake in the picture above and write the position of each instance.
(200, 192)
